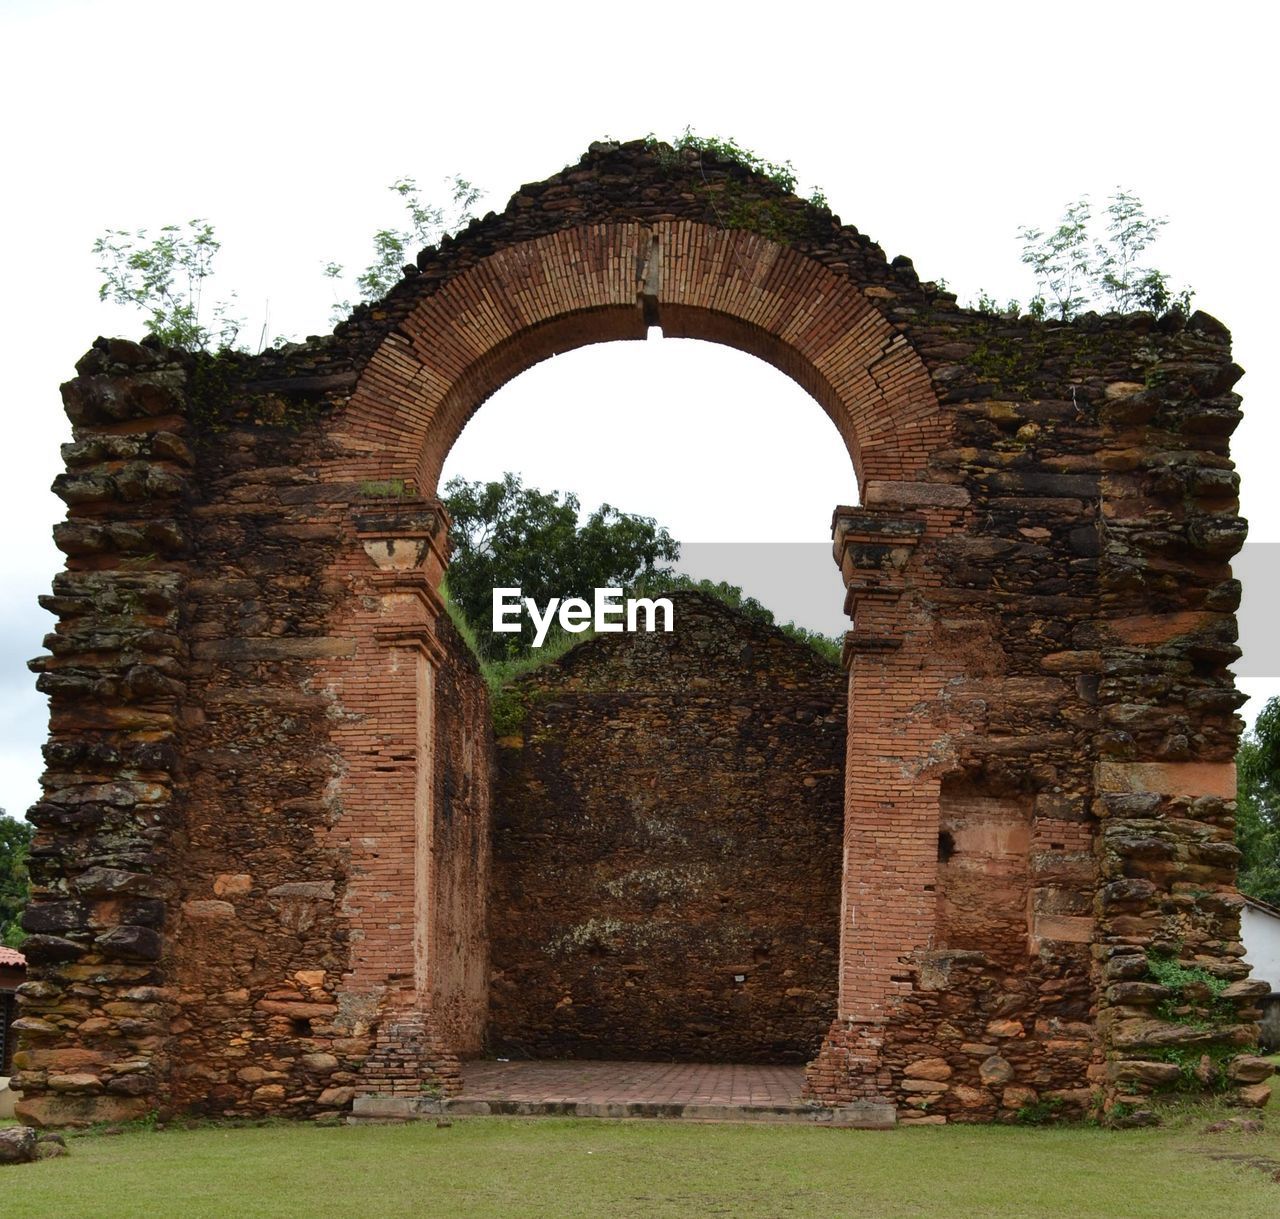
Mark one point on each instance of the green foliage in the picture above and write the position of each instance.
(1198, 1066)
(506, 705)
(1040, 1113)
(165, 276)
(501, 673)
(15, 885)
(1258, 806)
(781, 174)
(1075, 268)
(829, 647)
(1169, 972)
(506, 535)
(1124, 281)
(989, 304)
(735, 206)
(508, 711)
(1061, 259)
(394, 247)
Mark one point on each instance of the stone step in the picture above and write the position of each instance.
(861, 1116)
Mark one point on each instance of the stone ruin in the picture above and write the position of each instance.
(264, 860)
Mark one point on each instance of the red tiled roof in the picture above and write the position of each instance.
(11, 956)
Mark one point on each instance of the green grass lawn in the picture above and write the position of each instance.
(553, 1167)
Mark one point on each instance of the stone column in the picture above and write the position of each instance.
(1176, 1008)
(891, 796)
(96, 1010)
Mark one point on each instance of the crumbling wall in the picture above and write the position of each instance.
(667, 827)
(1088, 606)
(96, 1010)
(230, 861)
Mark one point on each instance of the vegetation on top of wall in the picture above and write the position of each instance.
(782, 174)
(1076, 264)
(1077, 268)
(165, 276)
(501, 674)
(394, 247)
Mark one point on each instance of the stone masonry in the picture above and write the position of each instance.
(668, 816)
(262, 862)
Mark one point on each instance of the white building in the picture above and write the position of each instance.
(1260, 934)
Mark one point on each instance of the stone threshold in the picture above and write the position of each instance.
(866, 1115)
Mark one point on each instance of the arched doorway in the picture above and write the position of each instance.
(533, 298)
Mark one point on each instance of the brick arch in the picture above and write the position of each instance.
(600, 282)
(447, 346)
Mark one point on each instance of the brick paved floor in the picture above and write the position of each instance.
(689, 1083)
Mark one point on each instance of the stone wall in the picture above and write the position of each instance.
(235, 850)
(461, 851)
(667, 826)
(96, 1010)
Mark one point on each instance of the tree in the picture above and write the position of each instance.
(1074, 268)
(506, 535)
(165, 277)
(393, 248)
(1061, 259)
(15, 886)
(1258, 806)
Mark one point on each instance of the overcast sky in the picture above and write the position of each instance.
(937, 129)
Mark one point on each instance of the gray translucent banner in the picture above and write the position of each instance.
(800, 583)
(1257, 567)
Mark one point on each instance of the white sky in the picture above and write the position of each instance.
(937, 129)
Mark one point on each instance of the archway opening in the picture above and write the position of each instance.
(668, 811)
(814, 320)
